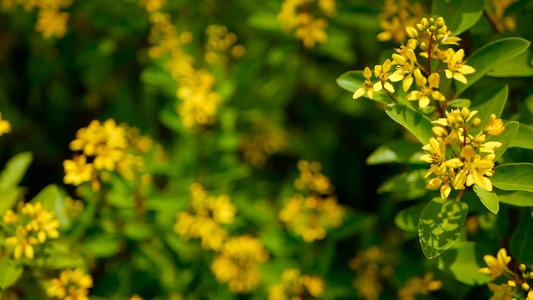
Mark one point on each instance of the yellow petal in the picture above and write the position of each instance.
(454, 163)
(465, 69)
(438, 96)
(434, 80)
(460, 77)
(407, 82)
(449, 74)
(377, 86)
(360, 92)
(414, 95)
(367, 73)
(423, 101)
(445, 191)
(389, 87)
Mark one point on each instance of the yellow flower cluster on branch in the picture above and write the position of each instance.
(396, 15)
(238, 262)
(51, 21)
(265, 139)
(111, 147)
(32, 226)
(311, 217)
(472, 158)
(5, 126)
(295, 285)
(219, 42)
(296, 15)
(432, 38)
(517, 281)
(204, 220)
(71, 285)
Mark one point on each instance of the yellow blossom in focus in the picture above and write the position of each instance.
(5, 126)
(425, 92)
(494, 126)
(238, 263)
(368, 86)
(456, 67)
(52, 22)
(71, 285)
(496, 265)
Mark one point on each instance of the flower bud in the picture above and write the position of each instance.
(411, 32)
(420, 27)
(465, 113)
(522, 268)
(440, 22)
(439, 131)
(431, 28)
(431, 21)
(440, 37)
(424, 22)
(476, 122)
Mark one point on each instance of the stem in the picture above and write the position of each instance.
(461, 192)
(390, 96)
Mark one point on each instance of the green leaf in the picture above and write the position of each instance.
(440, 225)
(514, 177)
(490, 56)
(15, 169)
(354, 223)
(520, 199)
(353, 80)
(399, 151)
(489, 199)
(491, 101)
(459, 15)
(505, 138)
(264, 21)
(10, 272)
(522, 240)
(9, 197)
(523, 137)
(103, 244)
(418, 124)
(406, 186)
(407, 219)
(463, 260)
(53, 200)
(459, 103)
(518, 66)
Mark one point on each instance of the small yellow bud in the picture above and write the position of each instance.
(439, 131)
(476, 122)
(522, 268)
(525, 286)
(440, 22)
(465, 112)
(420, 27)
(431, 21)
(431, 28)
(411, 32)
(424, 22)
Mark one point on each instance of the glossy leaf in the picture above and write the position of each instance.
(418, 124)
(353, 80)
(520, 199)
(407, 219)
(440, 225)
(399, 151)
(514, 177)
(518, 66)
(523, 137)
(10, 272)
(522, 240)
(15, 169)
(505, 138)
(490, 56)
(491, 101)
(463, 260)
(9, 197)
(459, 15)
(406, 186)
(489, 199)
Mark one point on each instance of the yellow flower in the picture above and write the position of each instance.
(501, 292)
(494, 126)
(52, 23)
(10, 217)
(71, 285)
(474, 172)
(496, 265)
(312, 31)
(153, 5)
(405, 65)
(23, 243)
(5, 126)
(368, 87)
(382, 74)
(87, 138)
(423, 95)
(435, 155)
(328, 7)
(77, 170)
(456, 67)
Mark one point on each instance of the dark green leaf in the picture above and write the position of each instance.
(518, 66)
(489, 199)
(514, 177)
(490, 56)
(491, 101)
(523, 137)
(10, 272)
(406, 186)
(9, 197)
(520, 199)
(459, 15)
(418, 124)
(399, 151)
(463, 260)
(408, 218)
(354, 223)
(522, 240)
(440, 225)
(353, 80)
(15, 169)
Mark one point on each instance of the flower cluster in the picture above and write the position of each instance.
(296, 15)
(495, 11)
(111, 147)
(51, 21)
(295, 285)
(219, 42)
(459, 158)
(199, 103)
(396, 15)
(5, 126)
(265, 139)
(32, 226)
(371, 265)
(237, 263)
(71, 285)
(205, 219)
(73, 208)
(415, 286)
(432, 37)
(153, 5)
(311, 217)
(497, 266)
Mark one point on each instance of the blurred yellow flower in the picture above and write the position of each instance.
(419, 286)
(52, 22)
(5, 126)
(312, 31)
(77, 170)
(496, 265)
(71, 285)
(294, 285)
